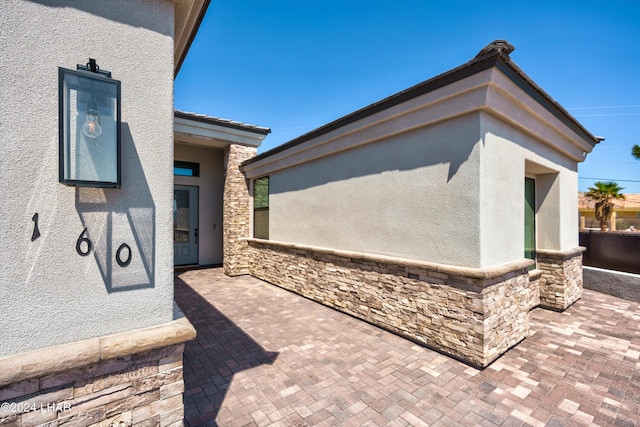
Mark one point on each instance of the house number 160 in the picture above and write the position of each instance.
(84, 245)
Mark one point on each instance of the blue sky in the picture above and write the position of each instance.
(293, 66)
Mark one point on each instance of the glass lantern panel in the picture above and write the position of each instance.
(90, 129)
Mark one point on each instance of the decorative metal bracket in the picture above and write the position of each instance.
(93, 67)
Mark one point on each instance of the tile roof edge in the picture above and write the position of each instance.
(233, 124)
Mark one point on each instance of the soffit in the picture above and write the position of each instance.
(188, 15)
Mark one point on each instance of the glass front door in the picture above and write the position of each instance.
(185, 225)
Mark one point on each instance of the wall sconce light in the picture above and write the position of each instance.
(89, 116)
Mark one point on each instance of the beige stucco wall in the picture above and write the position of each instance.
(49, 295)
(210, 185)
(414, 195)
(507, 156)
(436, 178)
(451, 193)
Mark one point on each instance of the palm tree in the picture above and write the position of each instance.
(635, 151)
(604, 193)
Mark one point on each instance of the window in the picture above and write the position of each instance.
(530, 219)
(261, 208)
(186, 168)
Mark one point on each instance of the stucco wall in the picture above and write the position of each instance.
(210, 184)
(438, 177)
(451, 193)
(413, 195)
(48, 293)
(507, 156)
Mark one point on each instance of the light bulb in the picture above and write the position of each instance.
(91, 128)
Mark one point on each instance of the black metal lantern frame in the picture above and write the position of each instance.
(89, 117)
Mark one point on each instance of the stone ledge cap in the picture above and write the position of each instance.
(566, 254)
(60, 358)
(474, 273)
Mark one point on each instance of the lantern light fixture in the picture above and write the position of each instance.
(89, 120)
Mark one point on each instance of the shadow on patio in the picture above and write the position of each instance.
(220, 350)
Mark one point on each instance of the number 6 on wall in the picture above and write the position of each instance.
(86, 240)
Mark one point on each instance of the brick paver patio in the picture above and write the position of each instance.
(265, 356)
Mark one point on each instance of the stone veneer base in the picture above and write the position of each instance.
(129, 379)
(474, 315)
(561, 279)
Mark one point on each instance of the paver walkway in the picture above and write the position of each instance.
(265, 356)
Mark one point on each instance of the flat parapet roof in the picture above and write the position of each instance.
(496, 54)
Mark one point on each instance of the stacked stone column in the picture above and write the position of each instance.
(236, 210)
(561, 278)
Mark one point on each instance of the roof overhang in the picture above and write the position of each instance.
(188, 15)
(212, 132)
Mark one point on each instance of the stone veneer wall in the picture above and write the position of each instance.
(472, 314)
(236, 210)
(561, 279)
(129, 379)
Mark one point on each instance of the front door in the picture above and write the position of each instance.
(185, 225)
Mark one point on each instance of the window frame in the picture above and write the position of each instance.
(191, 166)
(259, 231)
